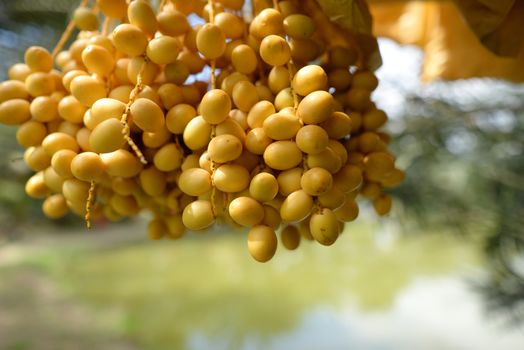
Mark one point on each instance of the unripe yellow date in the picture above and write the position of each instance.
(262, 243)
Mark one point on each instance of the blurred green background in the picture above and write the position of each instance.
(443, 271)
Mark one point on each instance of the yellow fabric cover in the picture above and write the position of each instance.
(452, 49)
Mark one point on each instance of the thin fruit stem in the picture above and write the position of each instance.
(89, 203)
(212, 79)
(211, 5)
(67, 33)
(126, 131)
(213, 169)
(105, 25)
(290, 67)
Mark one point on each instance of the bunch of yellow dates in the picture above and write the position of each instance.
(241, 116)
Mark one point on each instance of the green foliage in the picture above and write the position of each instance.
(465, 171)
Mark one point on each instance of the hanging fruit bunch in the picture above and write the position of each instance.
(248, 115)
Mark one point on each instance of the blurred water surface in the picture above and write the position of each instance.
(374, 289)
